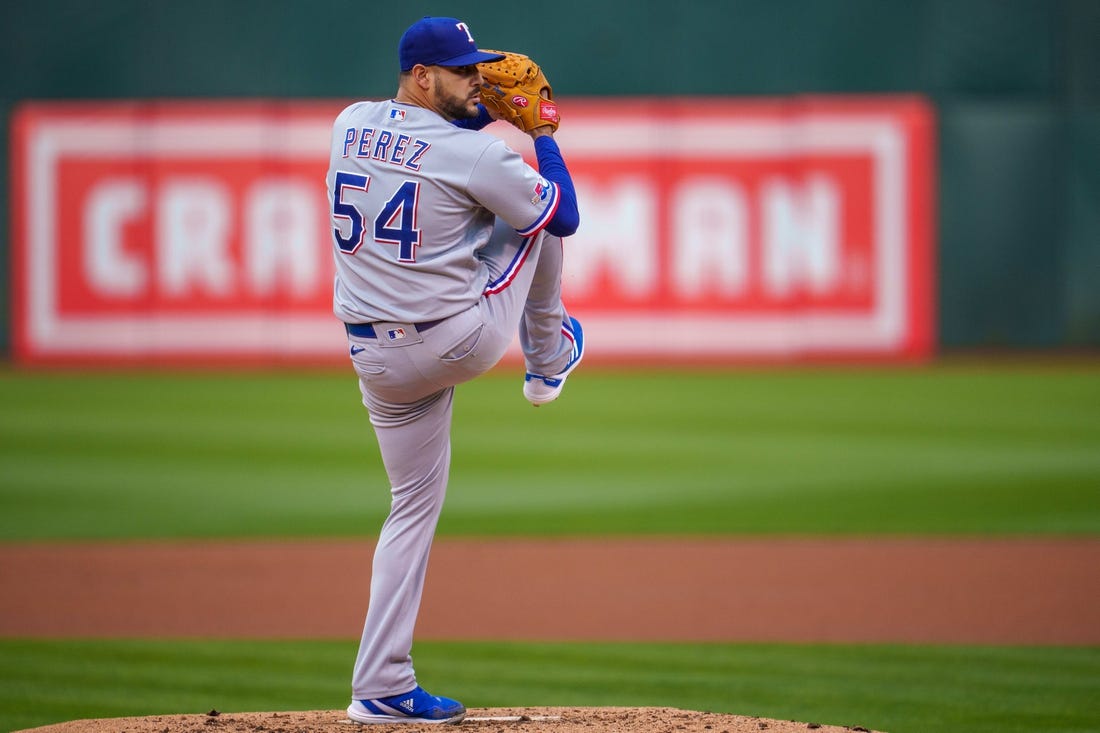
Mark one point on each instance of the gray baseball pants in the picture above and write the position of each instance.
(407, 379)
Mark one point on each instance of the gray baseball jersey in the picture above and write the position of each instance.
(388, 162)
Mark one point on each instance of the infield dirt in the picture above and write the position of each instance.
(904, 590)
(486, 720)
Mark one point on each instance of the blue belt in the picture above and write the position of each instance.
(366, 330)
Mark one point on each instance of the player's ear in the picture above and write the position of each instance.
(421, 76)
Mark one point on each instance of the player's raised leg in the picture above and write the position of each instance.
(552, 341)
(543, 312)
(525, 290)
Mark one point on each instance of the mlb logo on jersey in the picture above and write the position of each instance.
(395, 333)
(397, 114)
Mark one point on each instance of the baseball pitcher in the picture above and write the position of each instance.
(446, 243)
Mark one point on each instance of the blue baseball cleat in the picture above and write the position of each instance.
(415, 706)
(539, 389)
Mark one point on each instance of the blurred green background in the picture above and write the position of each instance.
(1015, 83)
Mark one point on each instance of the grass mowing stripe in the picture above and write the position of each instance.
(922, 451)
(900, 689)
(51, 681)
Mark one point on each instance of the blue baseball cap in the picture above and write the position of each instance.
(440, 42)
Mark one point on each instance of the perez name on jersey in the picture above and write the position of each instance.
(384, 146)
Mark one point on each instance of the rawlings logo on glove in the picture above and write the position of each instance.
(514, 89)
(549, 111)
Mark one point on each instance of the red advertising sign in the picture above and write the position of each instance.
(711, 230)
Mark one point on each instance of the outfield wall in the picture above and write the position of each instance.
(1015, 89)
(713, 230)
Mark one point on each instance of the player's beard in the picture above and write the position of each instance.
(452, 106)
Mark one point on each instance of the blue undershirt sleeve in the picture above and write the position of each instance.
(567, 218)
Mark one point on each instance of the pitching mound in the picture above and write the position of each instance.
(483, 720)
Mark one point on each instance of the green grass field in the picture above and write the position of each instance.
(900, 689)
(962, 449)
